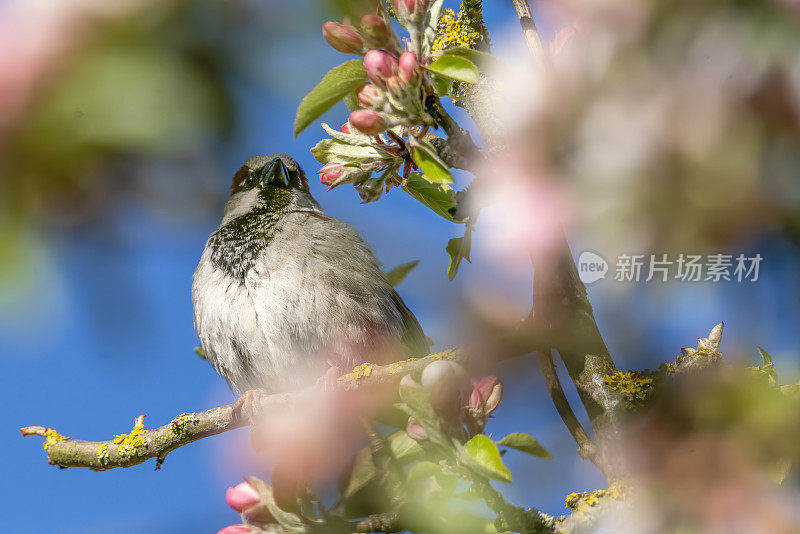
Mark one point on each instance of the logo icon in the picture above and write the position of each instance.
(591, 267)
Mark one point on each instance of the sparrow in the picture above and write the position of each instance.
(284, 293)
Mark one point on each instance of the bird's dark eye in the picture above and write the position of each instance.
(241, 179)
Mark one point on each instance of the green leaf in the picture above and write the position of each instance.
(423, 470)
(403, 448)
(454, 250)
(363, 471)
(351, 101)
(455, 67)
(448, 482)
(428, 160)
(459, 249)
(480, 59)
(525, 443)
(441, 84)
(438, 197)
(286, 519)
(398, 274)
(419, 403)
(335, 85)
(468, 495)
(485, 453)
(765, 357)
(768, 366)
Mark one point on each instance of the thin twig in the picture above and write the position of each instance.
(586, 446)
(458, 138)
(530, 32)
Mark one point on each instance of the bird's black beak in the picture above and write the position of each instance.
(275, 173)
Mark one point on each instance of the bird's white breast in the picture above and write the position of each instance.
(315, 296)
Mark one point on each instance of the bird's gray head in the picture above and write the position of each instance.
(265, 172)
(268, 184)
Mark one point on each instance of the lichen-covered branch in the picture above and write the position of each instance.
(126, 450)
(465, 28)
(561, 307)
(139, 445)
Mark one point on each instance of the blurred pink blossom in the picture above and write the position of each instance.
(36, 37)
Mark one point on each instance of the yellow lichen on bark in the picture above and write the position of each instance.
(588, 499)
(102, 452)
(181, 422)
(463, 29)
(358, 372)
(129, 443)
(51, 437)
(635, 385)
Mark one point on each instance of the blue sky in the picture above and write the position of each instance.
(105, 333)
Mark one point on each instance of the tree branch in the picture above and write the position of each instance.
(529, 30)
(561, 307)
(139, 445)
(563, 315)
(512, 517)
(586, 446)
(461, 143)
(130, 449)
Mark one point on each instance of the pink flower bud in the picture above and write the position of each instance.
(367, 121)
(415, 430)
(342, 37)
(236, 529)
(368, 95)
(486, 395)
(329, 173)
(409, 66)
(380, 66)
(345, 128)
(411, 5)
(376, 29)
(242, 497)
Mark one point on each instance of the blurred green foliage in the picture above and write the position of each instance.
(146, 84)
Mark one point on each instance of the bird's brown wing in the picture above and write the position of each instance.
(414, 339)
